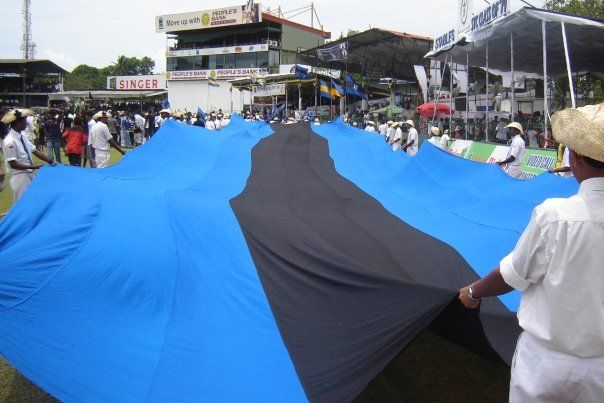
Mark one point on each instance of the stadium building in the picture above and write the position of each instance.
(206, 49)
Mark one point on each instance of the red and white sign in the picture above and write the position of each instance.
(136, 83)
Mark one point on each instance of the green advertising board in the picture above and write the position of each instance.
(535, 161)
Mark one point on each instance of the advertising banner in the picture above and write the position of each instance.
(464, 13)
(270, 90)
(535, 161)
(133, 83)
(263, 47)
(219, 17)
(221, 74)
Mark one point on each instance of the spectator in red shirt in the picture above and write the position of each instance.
(75, 140)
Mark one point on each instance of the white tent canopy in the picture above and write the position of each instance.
(585, 43)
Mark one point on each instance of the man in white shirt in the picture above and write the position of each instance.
(210, 124)
(444, 140)
(383, 129)
(28, 132)
(557, 265)
(434, 140)
(411, 145)
(226, 120)
(516, 152)
(101, 141)
(370, 127)
(18, 152)
(390, 132)
(397, 139)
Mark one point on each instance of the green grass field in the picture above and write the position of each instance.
(431, 369)
(6, 198)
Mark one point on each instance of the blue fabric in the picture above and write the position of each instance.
(146, 290)
(476, 208)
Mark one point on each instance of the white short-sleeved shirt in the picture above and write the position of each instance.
(390, 135)
(210, 125)
(444, 140)
(99, 137)
(517, 149)
(13, 150)
(29, 128)
(435, 141)
(370, 129)
(566, 163)
(383, 129)
(557, 264)
(412, 150)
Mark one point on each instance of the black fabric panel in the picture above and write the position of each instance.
(350, 284)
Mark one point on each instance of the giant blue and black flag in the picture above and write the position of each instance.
(262, 263)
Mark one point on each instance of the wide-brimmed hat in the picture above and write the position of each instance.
(168, 111)
(389, 122)
(370, 122)
(582, 130)
(101, 114)
(516, 125)
(395, 124)
(410, 123)
(435, 131)
(12, 115)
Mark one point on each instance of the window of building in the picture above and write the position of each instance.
(273, 58)
(216, 62)
(246, 60)
(262, 59)
(230, 61)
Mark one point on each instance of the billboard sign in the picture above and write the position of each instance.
(221, 74)
(136, 83)
(263, 47)
(219, 17)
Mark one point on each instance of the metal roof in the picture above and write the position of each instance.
(377, 53)
(34, 66)
(585, 41)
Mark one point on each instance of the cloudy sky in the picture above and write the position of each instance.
(95, 32)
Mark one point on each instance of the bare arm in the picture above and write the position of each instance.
(490, 286)
(113, 144)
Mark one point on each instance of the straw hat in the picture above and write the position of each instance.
(370, 122)
(582, 130)
(516, 125)
(11, 116)
(410, 123)
(354, 124)
(389, 122)
(435, 131)
(395, 125)
(101, 114)
(168, 111)
(447, 131)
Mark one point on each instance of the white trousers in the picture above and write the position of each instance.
(19, 183)
(514, 171)
(101, 157)
(540, 374)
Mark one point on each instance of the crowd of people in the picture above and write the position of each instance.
(85, 137)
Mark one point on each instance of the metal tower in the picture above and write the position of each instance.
(27, 46)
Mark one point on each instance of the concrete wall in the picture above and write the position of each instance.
(193, 93)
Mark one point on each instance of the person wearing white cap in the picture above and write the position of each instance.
(383, 129)
(434, 138)
(210, 123)
(18, 152)
(444, 140)
(516, 151)
(390, 132)
(398, 136)
(411, 145)
(101, 141)
(557, 265)
(370, 127)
